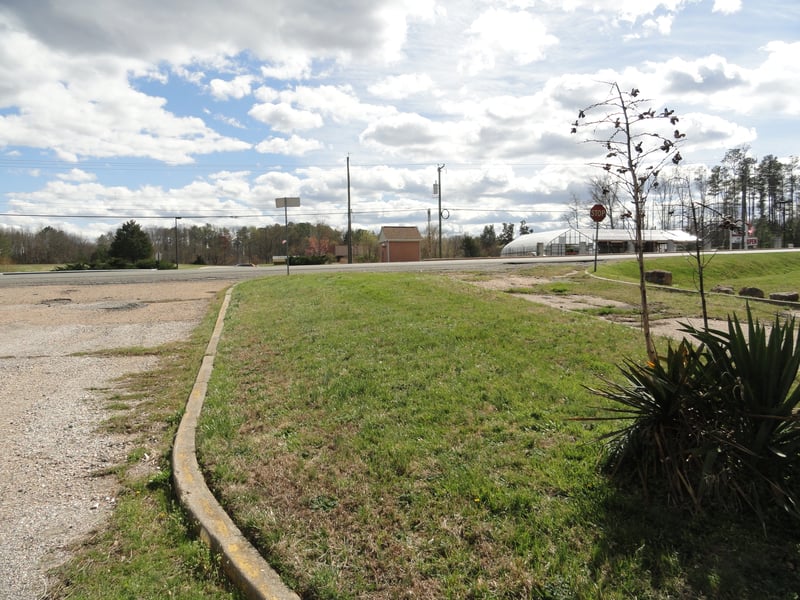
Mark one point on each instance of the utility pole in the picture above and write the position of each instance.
(176, 241)
(439, 190)
(349, 222)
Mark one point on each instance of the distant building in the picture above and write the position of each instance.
(566, 242)
(359, 252)
(400, 244)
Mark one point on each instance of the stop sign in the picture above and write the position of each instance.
(598, 213)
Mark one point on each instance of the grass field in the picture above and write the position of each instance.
(391, 436)
(410, 436)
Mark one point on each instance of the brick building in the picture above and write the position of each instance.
(400, 244)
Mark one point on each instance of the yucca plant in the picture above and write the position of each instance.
(716, 424)
(762, 441)
(659, 445)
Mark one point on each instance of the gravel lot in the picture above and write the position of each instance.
(52, 402)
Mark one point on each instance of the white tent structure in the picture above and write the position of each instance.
(565, 242)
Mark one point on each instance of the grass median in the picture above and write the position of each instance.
(405, 435)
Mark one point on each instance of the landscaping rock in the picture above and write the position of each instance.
(785, 296)
(722, 289)
(658, 276)
(752, 292)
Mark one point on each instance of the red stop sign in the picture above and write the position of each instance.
(597, 212)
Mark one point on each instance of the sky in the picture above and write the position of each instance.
(113, 110)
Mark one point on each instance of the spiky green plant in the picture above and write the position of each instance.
(716, 424)
(759, 366)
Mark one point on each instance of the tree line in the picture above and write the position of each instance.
(743, 197)
(211, 245)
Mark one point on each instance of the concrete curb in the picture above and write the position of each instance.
(240, 560)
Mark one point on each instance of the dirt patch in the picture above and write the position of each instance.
(670, 328)
(53, 400)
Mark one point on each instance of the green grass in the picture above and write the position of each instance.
(770, 271)
(618, 280)
(384, 435)
(413, 436)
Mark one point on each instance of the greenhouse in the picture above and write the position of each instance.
(567, 242)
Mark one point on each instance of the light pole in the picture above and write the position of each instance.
(285, 203)
(176, 241)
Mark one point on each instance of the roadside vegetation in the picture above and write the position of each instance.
(410, 435)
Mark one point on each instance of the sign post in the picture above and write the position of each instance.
(285, 203)
(597, 213)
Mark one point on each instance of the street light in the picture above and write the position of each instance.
(285, 203)
(176, 241)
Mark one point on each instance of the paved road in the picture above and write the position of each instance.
(243, 273)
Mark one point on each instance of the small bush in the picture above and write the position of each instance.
(148, 263)
(716, 424)
(309, 260)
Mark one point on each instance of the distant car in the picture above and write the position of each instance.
(245, 265)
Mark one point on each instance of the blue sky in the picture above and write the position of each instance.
(111, 110)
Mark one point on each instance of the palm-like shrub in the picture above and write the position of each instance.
(716, 424)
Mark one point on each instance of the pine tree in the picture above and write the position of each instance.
(130, 243)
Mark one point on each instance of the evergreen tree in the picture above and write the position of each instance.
(488, 240)
(130, 243)
(507, 236)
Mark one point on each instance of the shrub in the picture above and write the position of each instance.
(716, 424)
(310, 260)
(147, 263)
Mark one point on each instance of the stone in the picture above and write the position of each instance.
(722, 289)
(658, 276)
(752, 292)
(785, 296)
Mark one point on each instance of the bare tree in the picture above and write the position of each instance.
(638, 142)
(605, 190)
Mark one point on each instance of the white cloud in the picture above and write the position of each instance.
(497, 35)
(293, 146)
(85, 107)
(233, 122)
(181, 31)
(404, 134)
(285, 118)
(338, 103)
(77, 175)
(238, 88)
(397, 87)
(727, 7)
(661, 25)
(291, 67)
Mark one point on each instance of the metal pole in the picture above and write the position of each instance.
(596, 236)
(286, 221)
(439, 169)
(349, 219)
(176, 242)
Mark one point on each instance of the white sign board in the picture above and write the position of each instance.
(286, 202)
